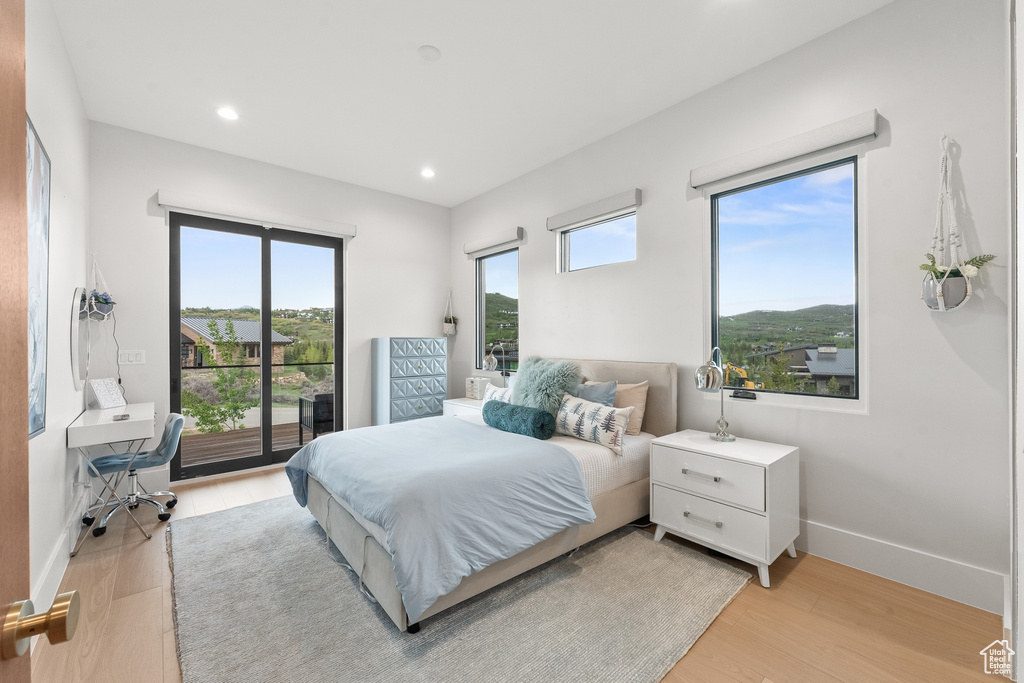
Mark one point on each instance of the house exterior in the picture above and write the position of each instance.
(819, 362)
(196, 355)
(827, 361)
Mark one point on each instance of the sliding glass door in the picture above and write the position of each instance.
(253, 333)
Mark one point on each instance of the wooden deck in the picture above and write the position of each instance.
(199, 449)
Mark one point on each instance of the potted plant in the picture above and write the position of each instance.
(449, 323)
(99, 305)
(950, 284)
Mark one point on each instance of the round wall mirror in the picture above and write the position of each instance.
(79, 340)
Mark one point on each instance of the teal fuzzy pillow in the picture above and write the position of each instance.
(519, 419)
(541, 383)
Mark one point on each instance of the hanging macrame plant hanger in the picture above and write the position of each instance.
(449, 323)
(946, 293)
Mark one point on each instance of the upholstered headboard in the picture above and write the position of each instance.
(662, 393)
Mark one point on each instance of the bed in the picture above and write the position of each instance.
(619, 500)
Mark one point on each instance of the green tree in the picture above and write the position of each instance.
(777, 377)
(233, 382)
(832, 387)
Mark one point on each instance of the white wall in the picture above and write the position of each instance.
(916, 489)
(58, 114)
(396, 268)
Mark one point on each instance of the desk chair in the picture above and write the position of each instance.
(114, 468)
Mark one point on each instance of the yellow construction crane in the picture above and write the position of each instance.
(747, 384)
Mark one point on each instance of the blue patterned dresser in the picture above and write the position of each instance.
(410, 378)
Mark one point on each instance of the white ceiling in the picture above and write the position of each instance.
(336, 87)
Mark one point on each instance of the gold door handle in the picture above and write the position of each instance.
(58, 623)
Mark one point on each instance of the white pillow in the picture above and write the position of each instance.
(591, 421)
(493, 393)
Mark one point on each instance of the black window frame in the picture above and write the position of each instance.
(268, 236)
(481, 299)
(854, 160)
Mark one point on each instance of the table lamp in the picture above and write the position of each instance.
(709, 377)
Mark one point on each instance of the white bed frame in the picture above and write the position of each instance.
(614, 508)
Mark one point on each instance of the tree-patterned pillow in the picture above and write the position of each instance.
(593, 422)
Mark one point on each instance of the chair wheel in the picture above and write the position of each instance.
(171, 503)
(133, 507)
(99, 531)
(164, 516)
(87, 520)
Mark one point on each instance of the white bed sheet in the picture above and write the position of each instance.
(602, 469)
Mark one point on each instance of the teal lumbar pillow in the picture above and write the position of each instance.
(508, 417)
(541, 383)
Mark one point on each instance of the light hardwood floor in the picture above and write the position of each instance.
(820, 621)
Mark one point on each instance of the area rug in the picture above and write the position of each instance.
(259, 597)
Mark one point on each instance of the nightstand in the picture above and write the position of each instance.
(741, 498)
(462, 406)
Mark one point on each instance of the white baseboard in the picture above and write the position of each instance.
(975, 586)
(45, 591)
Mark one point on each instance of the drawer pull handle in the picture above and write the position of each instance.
(701, 474)
(419, 407)
(419, 387)
(718, 525)
(420, 366)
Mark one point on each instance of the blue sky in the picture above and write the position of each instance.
(222, 270)
(609, 242)
(788, 245)
(501, 274)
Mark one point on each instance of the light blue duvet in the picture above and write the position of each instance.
(453, 497)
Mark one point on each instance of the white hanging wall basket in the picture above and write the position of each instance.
(449, 323)
(948, 271)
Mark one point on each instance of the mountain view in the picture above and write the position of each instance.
(826, 323)
(501, 324)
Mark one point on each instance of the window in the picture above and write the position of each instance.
(612, 240)
(784, 282)
(497, 318)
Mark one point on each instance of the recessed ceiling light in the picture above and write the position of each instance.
(427, 173)
(429, 53)
(228, 113)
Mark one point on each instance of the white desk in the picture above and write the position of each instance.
(96, 427)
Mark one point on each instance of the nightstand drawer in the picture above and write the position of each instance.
(704, 520)
(737, 482)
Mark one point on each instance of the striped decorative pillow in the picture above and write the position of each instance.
(593, 422)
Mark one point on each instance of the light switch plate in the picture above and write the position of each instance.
(131, 357)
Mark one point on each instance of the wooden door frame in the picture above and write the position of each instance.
(15, 580)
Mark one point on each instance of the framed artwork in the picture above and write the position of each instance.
(38, 166)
